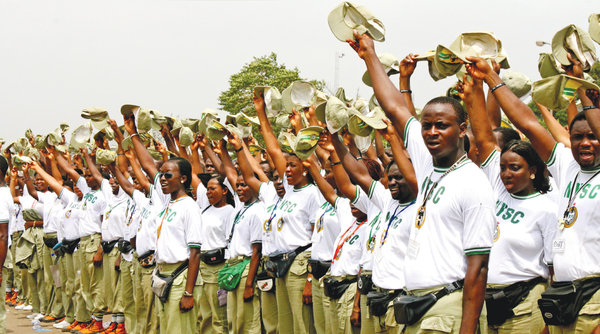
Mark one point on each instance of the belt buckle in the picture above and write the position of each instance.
(286, 256)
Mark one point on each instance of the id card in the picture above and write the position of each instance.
(558, 246)
(413, 246)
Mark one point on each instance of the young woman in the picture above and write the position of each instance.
(216, 219)
(292, 225)
(526, 216)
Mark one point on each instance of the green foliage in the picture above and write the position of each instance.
(595, 73)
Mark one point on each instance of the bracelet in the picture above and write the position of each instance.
(406, 91)
(359, 157)
(497, 86)
(239, 149)
(335, 163)
(187, 294)
(134, 134)
(588, 108)
(120, 154)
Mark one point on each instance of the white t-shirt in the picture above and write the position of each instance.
(236, 198)
(115, 215)
(215, 223)
(201, 198)
(6, 206)
(576, 247)
(248, 222)
(525, 228)
(93, 205)
(459, 218)
(146, 223)
(178, 229)
(327, 228)
(295, 217)
(268, 196)
(348, 245)
(157, 195)
(49, 199)
(391, 240)
(72, 215)
(19, 224)
(373, 225)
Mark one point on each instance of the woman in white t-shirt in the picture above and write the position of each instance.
(215, 220)
(526, 222)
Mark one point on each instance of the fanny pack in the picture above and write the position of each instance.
(70, 245)
(147, 260)
(365, 284)
(50, 242)
(107, 246)
(229, 277)
(279, 265)
(334, 289)
(561, 303)
(500, 302)
(409, 309)
(264, 282)
(318, 268)
(213, 257)
(58, 250)
(378, 301)
(161, 284)
(124, 246)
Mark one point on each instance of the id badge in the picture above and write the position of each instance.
(413, 246)
(558, 246)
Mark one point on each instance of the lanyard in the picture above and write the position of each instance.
(341, 244)
(131, 216)
(112, 208)
(166, 212)
(573, 194)
(385, 233)
(237, 218)
(429, 191)
(328, 208)
(273, 212)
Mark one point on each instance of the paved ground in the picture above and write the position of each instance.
(17, 322)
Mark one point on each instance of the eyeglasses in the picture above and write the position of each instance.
(167, 175)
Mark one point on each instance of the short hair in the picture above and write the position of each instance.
(461, 114)
(3, 165)
(527, 152)
(579, 117)
(374, 168)
(508, 134)
(185, 169)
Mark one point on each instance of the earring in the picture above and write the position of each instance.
(181, 181)
(304, 174)
(532, 176)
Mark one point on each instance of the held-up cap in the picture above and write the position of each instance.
(298, 95)
(192, 124)
(340, 93)
(216, 131)
(206, 118)
(363, 124)
(346, 17)
(128, 109)
(306, 141)
(517, 82)
(362, 143)
(255, 149)
(286, 140)
(186, 136)
(373, 102)
(235, 130)
(390, 65)
(548, 66)
(29, 134)
(577, 41)
(594, 28)
(336, 114)
(105, 157)
(81, 136)
(283, 121)
(555, 93)
(242, 119)
(320, 103)
(98, 116)
(272, 98)
(64, 127)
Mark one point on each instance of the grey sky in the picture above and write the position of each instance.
(58, 57)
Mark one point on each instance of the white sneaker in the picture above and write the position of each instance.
(19, 307)
(61, 325)
(38, 317)
(33, 316)
(27, 308)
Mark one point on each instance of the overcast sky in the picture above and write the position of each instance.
(58, 57)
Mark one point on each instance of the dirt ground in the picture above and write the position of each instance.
(17, 322)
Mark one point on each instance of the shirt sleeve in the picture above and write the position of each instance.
(255, 225)
(361, 200)
(547, 226)
(201, 198)
(379, 196)
(559, 160)
(106, 189)
(193, 224)
(491, 169)
(5, 210)
(82, 185)
(67, 196)
(157, 194)
(478, 217)
(344, 212)
(413, 141)
(46, 197)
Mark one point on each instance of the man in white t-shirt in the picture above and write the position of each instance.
(6, 212)
(452, 234)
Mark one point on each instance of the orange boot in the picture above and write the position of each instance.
(120, 329)
(94, 328)
(75, 326)
(111, 328)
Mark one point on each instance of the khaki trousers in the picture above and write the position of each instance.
(528, 317)
(172, 320)
(52, 294)
(111, 279)
(445, 316)
(3, 306)
(145, 307)
(587, 320)
(292, 313)
(268, 308)
(126, 295)
(17, 272)
(92, 287)
(321, 306)
(341, 310)
(82, 313)
(245, 316)
(213, 317)
(69, 291)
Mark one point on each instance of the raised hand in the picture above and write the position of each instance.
(593, 95)
(259, 103)
(295, 119)
(575, 69)
(388, 132)
(325, 141)
(130, 123)
(234, 140)
(362, 44)
(408, 65)
(479, 68)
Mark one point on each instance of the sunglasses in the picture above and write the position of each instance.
(167, 175)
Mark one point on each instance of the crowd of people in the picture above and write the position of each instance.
(467, 216)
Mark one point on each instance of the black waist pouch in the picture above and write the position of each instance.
(278, 265)
(500, 302)
(378, 301)
(107, 246)
(318, 268)
(70, 245)
(161, 284)
(409, 309)
(334, 289)
(147, 260)
(213, 257)
(561, 303)
(365, 284)
(50, 242)
(124, 246)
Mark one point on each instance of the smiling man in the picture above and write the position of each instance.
(451, 237)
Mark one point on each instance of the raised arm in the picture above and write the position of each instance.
(67, 168)
(92, 166)
(518, 112)
(13, 185)
(228, 168)
(356, 169)
(144, 157)
(491, 105)
(379, 148)
(407, 68)
(592, 112)
(121, 179)
(169, 141)
(471, 92)
(558, 132)
(56, 186)
(266, 130)
(390, 99)
(121, 159)
(344, 185)
(137, 171)
(212, 156)
(243, 158)
(324, 186)
(401, 157)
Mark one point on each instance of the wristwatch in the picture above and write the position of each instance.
(187, 294)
